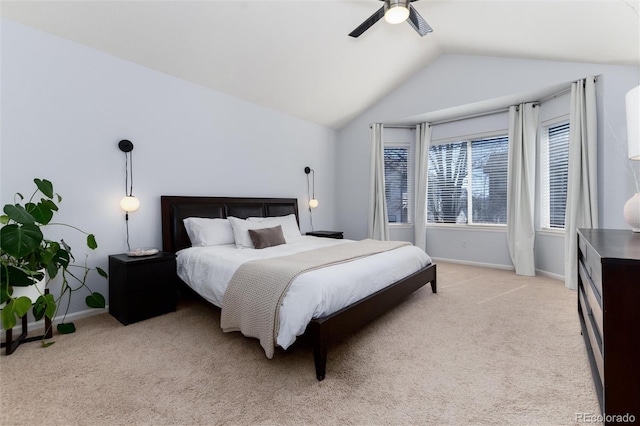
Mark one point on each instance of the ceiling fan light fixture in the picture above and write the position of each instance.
(397, 11)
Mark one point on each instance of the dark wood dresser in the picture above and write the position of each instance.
(609, 310)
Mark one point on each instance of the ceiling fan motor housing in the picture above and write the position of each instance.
(395, 12)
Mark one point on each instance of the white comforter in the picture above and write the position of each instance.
(314, 294)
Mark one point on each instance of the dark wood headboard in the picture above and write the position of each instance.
(177, 208)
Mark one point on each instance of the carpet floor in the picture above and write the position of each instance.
(490, 348)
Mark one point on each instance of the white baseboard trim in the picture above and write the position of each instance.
(470, 263)
(550, 274)
(35, 327)
(496, 266)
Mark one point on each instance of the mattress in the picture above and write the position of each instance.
(314, 294)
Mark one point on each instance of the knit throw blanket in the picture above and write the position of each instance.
(252, 300)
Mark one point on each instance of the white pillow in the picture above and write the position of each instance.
(208, 232)
(241, 228)
(289, 224)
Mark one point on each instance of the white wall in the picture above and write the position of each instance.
(457, 80)
(65, 107)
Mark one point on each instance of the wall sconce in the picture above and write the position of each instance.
(311, 192)
(128, 203)
(632, 206)
(313, 203)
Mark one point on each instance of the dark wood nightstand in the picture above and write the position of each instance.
(326, 234)
(142, 287)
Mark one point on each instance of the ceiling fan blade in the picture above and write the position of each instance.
(418, 23)
(368, 23)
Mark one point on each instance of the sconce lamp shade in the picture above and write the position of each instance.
(397, 12)
(313, 203)
(129, 203)
(633, 123)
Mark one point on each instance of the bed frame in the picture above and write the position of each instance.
(322, 331)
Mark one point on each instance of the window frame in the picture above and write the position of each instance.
(410, 183)
(543, 175)
(469, 140)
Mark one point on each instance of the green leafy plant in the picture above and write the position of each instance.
(26, 257)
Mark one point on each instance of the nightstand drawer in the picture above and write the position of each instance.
(142, 278)
(139, 306)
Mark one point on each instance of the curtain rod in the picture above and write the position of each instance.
(555, 95)
(466, 117)
(398, 127)
(482, 114)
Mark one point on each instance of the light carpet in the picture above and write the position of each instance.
(490, 348)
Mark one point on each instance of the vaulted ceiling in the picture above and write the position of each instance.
(296, 56)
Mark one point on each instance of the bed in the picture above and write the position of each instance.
(323, 330)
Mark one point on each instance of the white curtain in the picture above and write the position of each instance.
(582, 185)
(423, 141)
(523, 130)
(378, 222)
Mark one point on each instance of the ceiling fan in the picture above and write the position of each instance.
(395, 12)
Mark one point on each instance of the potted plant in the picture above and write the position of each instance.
(28, 257)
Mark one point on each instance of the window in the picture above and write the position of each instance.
(468, 182)
(554, 164)
(396, 182)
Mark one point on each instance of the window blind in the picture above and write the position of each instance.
(468, 182)
(489, 180)
(555, 169)
(447, 183)
(396, 184)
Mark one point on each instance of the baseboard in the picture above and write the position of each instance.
(550, 274)
(35, 327)
(470, 263)
(496, 266)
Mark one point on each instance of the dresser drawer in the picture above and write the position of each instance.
(582, 246)
(592, 264)
(594, 300)
(595, 340)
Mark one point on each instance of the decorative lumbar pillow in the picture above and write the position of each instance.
(289, 224)
(241, 229)
(204, 232)
(267, 237)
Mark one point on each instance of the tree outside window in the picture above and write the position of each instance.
(468, 182)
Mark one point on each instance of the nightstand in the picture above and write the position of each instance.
(142, 287)
(326, 234)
